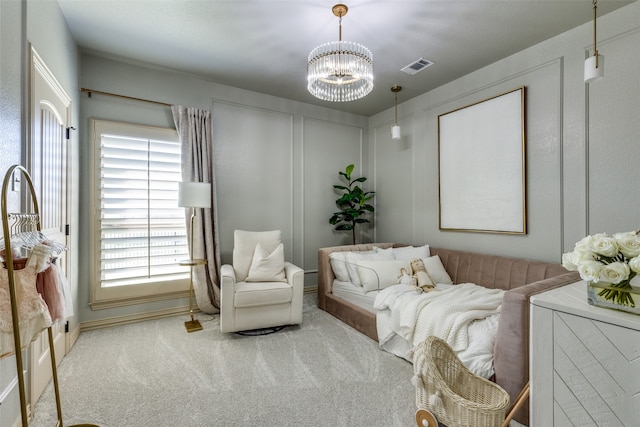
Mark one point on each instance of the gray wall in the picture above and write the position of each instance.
(12, 42)
(582, 145)
(276, 160)
(48, 34)
(40, 24)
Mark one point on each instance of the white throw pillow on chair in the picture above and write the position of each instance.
(267, 267)
(244, 246)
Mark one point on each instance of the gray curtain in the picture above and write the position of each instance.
(194, 127)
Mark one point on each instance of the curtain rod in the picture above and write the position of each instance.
(90, 91)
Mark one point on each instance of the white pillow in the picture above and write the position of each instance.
(338, 262)
(411, 252)
(244, 246)
(376, 275)
(383, 251)
(267, 267)
(353, 258)
(436, 270)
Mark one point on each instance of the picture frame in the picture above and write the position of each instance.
(482, 166)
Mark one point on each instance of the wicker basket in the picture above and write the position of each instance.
(456, 396)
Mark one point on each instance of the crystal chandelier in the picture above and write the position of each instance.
(340, 71)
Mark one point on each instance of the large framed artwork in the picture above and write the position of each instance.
(481, 165)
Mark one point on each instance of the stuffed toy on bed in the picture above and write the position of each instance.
(422, 276)
(406, 279)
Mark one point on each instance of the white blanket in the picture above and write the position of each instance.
(465, 316)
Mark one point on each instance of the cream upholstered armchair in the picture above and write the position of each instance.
(260, 290)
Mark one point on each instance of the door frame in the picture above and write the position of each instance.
(38, 70)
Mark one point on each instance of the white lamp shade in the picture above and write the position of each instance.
(194, 194)
(591, 73)
(395, 132)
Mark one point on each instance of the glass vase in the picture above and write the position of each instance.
(625, 298)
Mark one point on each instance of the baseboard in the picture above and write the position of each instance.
(123, 320)
(133, 318)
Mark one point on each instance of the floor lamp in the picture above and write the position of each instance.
(193, 195)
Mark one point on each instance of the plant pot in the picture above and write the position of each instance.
(624, 298)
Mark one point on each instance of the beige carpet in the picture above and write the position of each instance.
(322, 373)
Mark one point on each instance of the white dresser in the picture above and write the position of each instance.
(584, 362)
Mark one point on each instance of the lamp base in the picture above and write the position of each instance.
(193, 325)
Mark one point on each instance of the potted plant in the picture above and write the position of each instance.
(353, 203)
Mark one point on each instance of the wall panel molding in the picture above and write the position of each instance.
(396, 173)
(328, 147)
(544, 82)
(254, 161)
(611, 128)
(494, 84)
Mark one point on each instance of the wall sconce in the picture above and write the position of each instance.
(594, 65)
(395, 129)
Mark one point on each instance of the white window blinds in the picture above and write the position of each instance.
(142, 229)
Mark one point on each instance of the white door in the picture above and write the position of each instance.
(48, 166)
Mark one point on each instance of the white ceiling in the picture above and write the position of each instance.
(263, 45)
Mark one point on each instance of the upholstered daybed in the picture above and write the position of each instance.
(520, 278)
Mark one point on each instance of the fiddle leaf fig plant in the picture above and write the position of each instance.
(353, 203)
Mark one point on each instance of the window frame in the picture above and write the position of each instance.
(149, 290)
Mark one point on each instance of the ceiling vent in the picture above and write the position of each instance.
(417, 65)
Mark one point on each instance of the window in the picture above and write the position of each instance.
(139, 234)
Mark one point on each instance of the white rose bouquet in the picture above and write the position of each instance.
(610, 260)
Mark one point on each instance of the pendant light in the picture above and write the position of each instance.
(340, 71)
(395, 129)
(594, 65)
